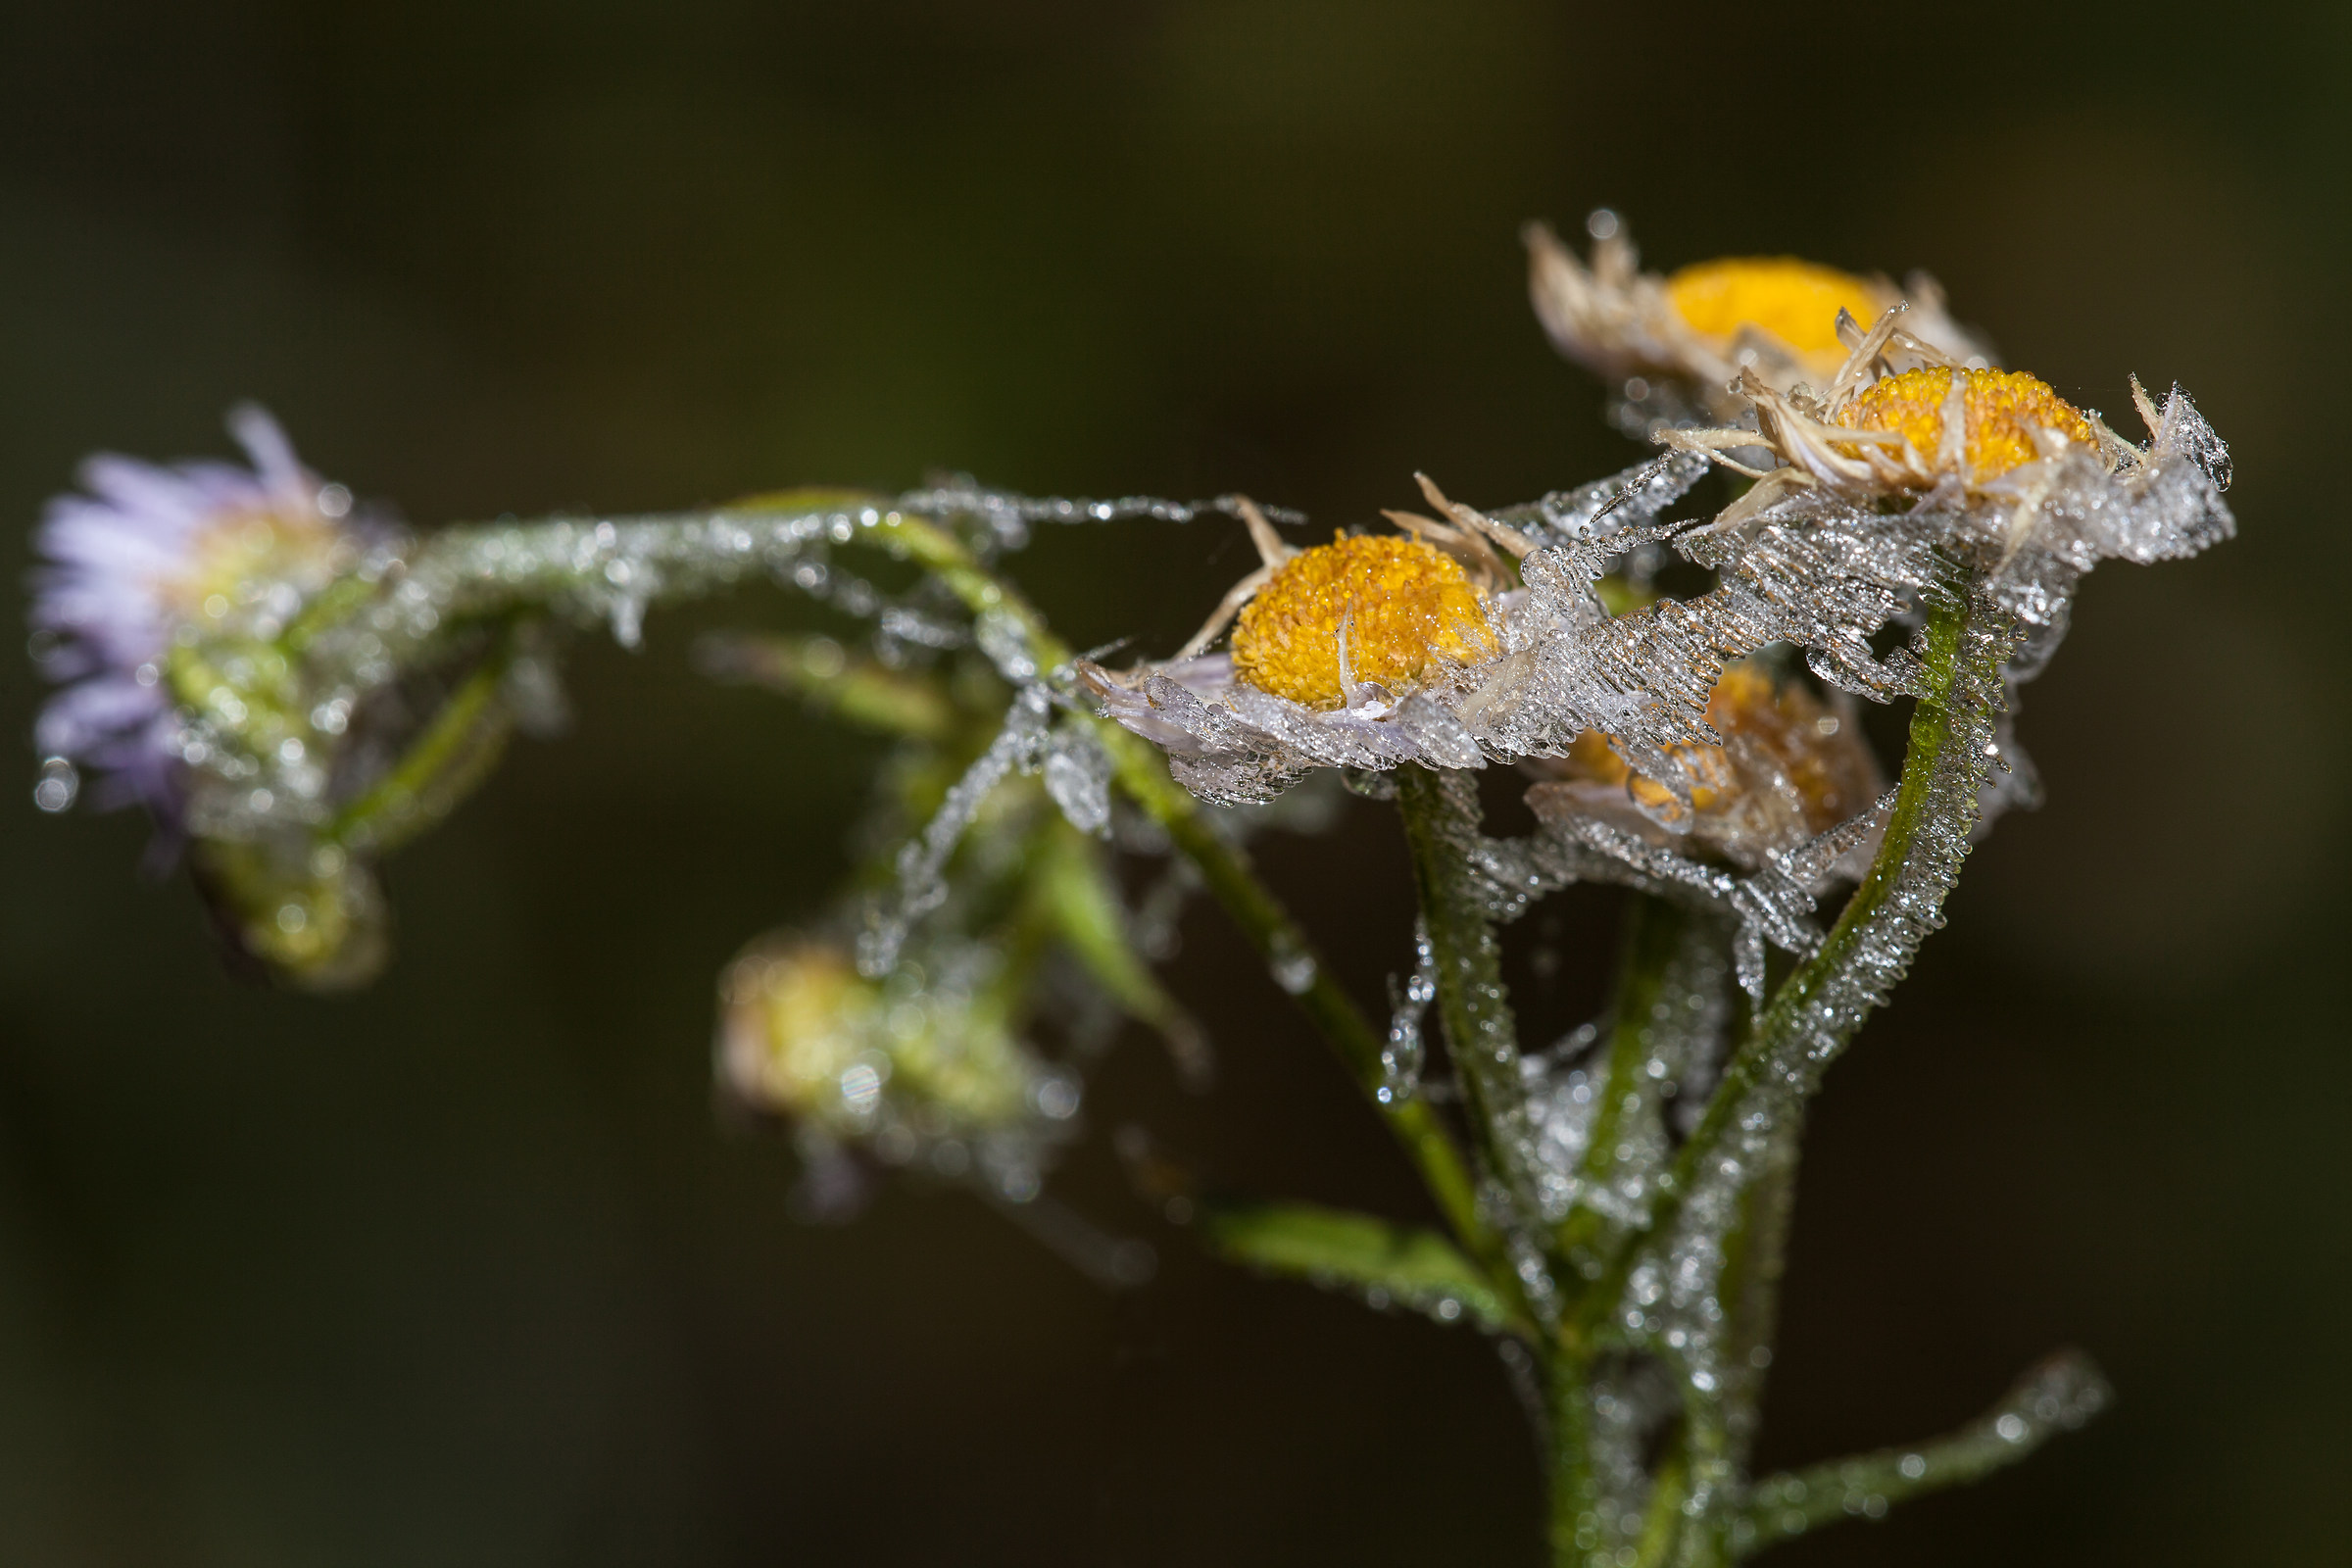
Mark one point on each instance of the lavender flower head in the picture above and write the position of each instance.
(144, 568)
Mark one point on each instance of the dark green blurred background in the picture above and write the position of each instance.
(466, 1269)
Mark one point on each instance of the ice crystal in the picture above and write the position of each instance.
(1402, 1057)
(1678, 1279)
(1077, 776)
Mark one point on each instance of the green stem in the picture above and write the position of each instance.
(2058, 1395)
(1578, 1535)
(1655, 931)
(1073, 888)
(1441, 821)
(441, 762)
(1662, 1520)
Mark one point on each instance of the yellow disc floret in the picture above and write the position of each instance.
(1403, 602)
(2006, 411)
(1796, 302)
(235, 552)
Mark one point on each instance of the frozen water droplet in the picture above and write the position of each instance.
(922, 865)
(1057, 1097)
(1006, 642)
(1294, 969)
(1403, 1058)
(628, 619)
(1019, 1186)
(1747, 958)
(1077, 774)
(59, 784)
(861, 1086)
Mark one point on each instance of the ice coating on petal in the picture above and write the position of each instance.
(1077, 772)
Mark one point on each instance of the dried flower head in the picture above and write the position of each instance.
(1899, 418)
(1908, 469)
(1672, 344)
(153, 559)
(1789, 768)
(1347, 654)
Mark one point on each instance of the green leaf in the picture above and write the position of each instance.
(1382, 1262)
(859, 691)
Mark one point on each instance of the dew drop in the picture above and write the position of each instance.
(1294, 970)
(59, 785)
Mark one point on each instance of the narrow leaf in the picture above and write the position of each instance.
(1383, 1263)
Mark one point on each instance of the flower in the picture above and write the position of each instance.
(1911, 430)
(1674, 343)
(1366, 609)
(1453, 630)
(2006, 420)
(1908, 467)
(1788, 770)
(154, 560)
(1342, 656)
(1999, 451)
(922, 1063)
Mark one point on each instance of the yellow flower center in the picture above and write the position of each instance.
(801, 1016)
(2006, 411)
(804, 1033)
(1795, 301)
(1403, 604)
(242, 549)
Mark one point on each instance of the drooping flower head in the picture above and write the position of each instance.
(921, 1064)
(152, 560)
(1788, 769)
(1672, 344)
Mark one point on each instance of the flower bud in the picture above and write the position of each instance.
(921, 1064)
(309, 913)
